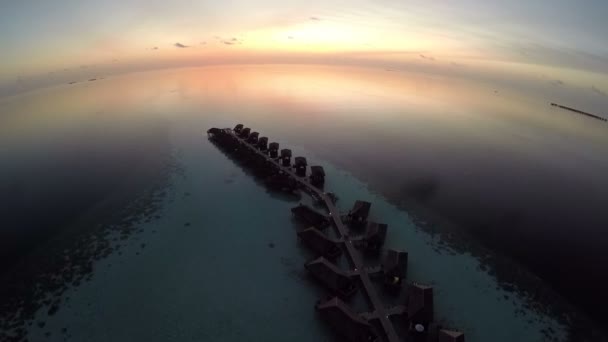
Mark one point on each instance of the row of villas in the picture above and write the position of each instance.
(412, 318)
(317, 174)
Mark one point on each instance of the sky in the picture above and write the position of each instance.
(564, 42)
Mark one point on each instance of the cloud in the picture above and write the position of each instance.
(557, 82)
(599, 91)
(289, 37)
(180, 45)
(454, 64)
(427, 57)
(232, 41)
(203, 43)
(314, 18)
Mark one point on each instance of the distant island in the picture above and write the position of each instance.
(579, 111)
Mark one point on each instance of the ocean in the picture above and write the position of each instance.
(123, 222)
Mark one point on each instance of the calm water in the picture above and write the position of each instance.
(118, 205)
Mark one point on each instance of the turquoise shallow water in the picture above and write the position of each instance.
(217, 258)
(204, 270)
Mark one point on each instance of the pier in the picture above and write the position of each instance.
(579, 112)
(417, 312)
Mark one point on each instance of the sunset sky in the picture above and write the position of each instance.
(564, 41)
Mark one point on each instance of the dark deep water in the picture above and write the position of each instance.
(526, 180)
(47, 187)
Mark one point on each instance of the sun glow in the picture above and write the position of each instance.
(309, 37)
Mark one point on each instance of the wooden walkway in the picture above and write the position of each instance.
(379, 312)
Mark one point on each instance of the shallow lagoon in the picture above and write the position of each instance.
(208, 271)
